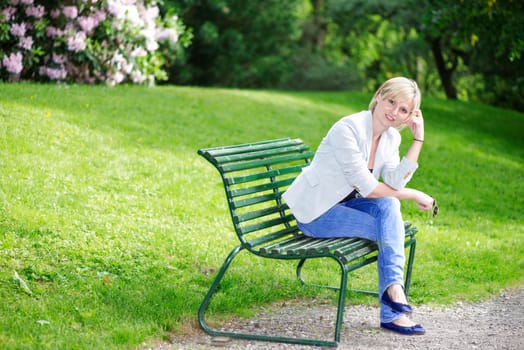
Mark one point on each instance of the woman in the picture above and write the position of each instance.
(339, 194)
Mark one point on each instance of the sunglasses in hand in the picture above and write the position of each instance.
(435, 207)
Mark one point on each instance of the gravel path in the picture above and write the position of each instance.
(493, 324)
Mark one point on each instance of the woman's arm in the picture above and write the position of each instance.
(416, 125)
(424, 201)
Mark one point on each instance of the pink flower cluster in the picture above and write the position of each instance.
(35, 11)
(13, 62)
(69, 42)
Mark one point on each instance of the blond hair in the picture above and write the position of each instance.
(398, 88)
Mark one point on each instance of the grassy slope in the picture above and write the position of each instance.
(111, 218)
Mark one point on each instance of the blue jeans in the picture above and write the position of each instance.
(376, 219)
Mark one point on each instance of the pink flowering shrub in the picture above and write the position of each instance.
(87, 41)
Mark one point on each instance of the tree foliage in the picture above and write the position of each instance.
(236, 42)
(484, 36)
(463, 49)
(379, 36)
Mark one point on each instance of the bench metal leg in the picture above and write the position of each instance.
(306, 341)
(341, 300)
(348, 268)
(412, 243)
(212, 290)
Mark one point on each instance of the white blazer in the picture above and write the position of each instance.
(340, 165)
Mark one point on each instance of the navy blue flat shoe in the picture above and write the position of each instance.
(398, 307)
(413, 330)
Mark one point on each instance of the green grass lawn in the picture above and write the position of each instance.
(111, 225)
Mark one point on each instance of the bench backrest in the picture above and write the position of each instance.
(255, 176)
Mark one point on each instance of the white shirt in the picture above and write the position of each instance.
(340, 165)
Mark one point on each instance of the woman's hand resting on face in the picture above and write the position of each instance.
(416, 124)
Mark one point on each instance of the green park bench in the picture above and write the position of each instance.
(255, 175)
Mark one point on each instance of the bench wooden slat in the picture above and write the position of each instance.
(266, 153)
(355, 245)
(352, 254)
(313, 245)
(278, 247)
(265, 224)
(324, 247)
(292, 246)
(240, 203)
(261, 241)
(261, 188)
(264, 175)
(410, 229)
(215, 152)
(266, 162)
(259, 213)
(307, 245)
